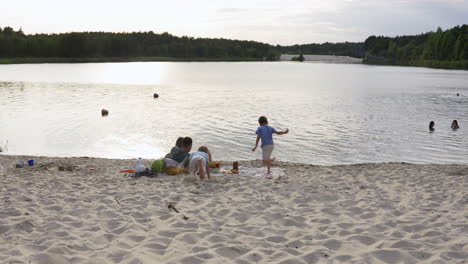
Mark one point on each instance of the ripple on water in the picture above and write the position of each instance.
(373, 118)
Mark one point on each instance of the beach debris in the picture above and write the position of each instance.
(31, 162)
(172, 207)
(458, 94)
(176, 170)
(67, 168)
(127, 171)
(215, 164)
(117, 201)
(231, 171)
(155, 95)
(185, 217)
(19, 164)
(104, 112)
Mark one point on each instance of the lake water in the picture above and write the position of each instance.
(336, 113)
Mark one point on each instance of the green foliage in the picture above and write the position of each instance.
(114, 59)
(300, 58)
(441, 49)
(339, 49)
(15, 44)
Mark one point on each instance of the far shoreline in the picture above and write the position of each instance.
(331, 59)
(5, 61)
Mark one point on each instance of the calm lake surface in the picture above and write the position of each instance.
(336, 113)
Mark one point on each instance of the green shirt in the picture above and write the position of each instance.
(178, 155)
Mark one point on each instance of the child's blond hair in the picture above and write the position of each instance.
(203, 149)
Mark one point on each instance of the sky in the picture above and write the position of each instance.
(283, 22)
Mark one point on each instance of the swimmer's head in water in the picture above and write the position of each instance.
(431, 125)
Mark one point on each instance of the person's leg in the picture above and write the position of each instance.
(266, 151)
(268, 162)
(201, 171)
(264, 157)
(207, 169)
(193, 167)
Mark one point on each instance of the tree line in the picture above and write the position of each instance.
(16, 44)
(440, 49)
(352, 49)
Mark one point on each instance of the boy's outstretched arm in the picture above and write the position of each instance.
(256, 143)
(283, 132)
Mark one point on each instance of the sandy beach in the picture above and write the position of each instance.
(82, 210)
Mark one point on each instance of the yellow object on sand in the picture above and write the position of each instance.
(176, 170)
(231, 171)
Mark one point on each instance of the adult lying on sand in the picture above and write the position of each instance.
(177, 160)
(177, 144)
(181, 154)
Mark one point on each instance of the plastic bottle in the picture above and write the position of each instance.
(139, 166)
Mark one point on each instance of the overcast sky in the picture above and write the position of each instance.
(281, 22)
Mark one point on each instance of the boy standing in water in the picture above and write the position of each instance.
(265, 132)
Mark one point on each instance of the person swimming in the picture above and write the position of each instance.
(431, 126)
(454, 124)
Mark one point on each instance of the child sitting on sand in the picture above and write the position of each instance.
(199, 161)
(265, 132)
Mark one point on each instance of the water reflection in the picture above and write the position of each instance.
(336, 113)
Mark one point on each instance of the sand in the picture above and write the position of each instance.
(364, 213)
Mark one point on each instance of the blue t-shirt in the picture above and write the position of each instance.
(266, 133)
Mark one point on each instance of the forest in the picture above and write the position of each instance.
(439, 49)
(352, 49)
(16, 44)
